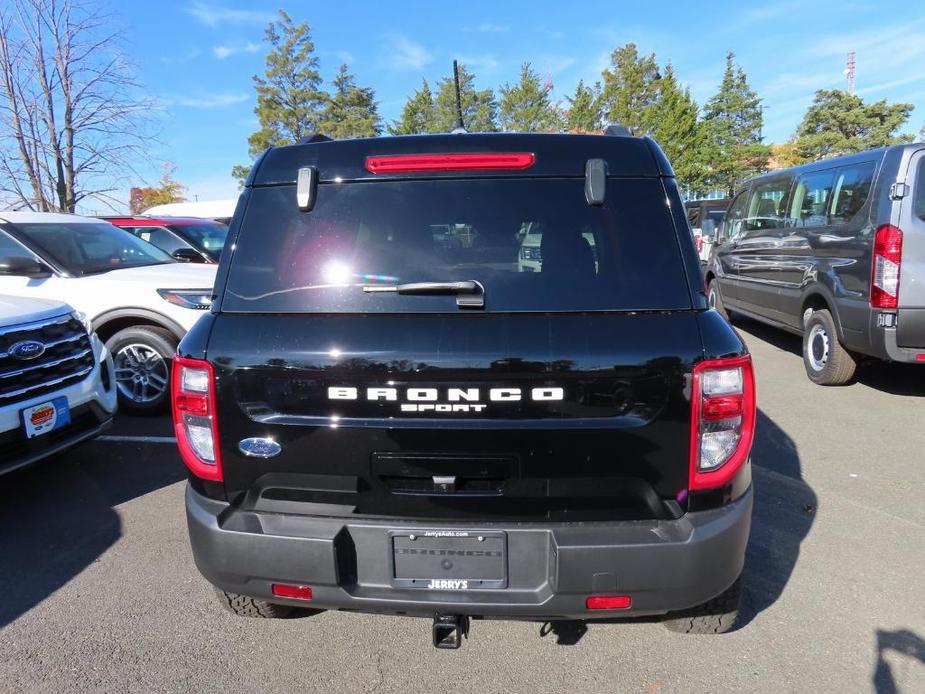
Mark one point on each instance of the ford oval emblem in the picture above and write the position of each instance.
(259, 448)
(27, 349)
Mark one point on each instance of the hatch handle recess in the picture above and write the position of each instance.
(595, 181)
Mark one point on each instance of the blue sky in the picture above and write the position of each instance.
(196, 57)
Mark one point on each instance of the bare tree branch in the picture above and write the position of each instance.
(71, 124)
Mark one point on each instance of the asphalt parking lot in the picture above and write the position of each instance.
(100, 592)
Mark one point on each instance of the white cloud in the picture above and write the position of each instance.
(486, 62)
(222, 52)
(214, 15)
(486, 28)
(206, 100)
(407, 53)
(181, 58)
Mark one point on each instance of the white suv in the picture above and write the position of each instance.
(56, 381)
(140, 301)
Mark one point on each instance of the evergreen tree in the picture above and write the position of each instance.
(630, 89)
(417, 116)
(526, 106)
(351, 111)
(732, 128)
(676, 127)
(290, 101)
(840, 123)
(584, 112)
(479, 108)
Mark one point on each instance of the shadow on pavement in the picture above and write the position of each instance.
(904, 642)
(57, 517)
(785, 507)
(895, 379)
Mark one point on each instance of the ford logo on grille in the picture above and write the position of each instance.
(27, 349)
(259, 448)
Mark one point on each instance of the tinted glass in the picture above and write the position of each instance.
(766, 204)
(84, 249)
(208, 238)
(535, 245)
(811, 197)
(11, 248)
(920, 191)
(735, 215)
(852, 186)
(163, 239)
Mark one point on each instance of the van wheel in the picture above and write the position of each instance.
(715, 300)
(716, 616)
(141, 357)
(827, 362)
(244, 606)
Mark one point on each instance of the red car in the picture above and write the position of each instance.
(189, 239)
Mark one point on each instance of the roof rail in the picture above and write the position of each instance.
(617, 130)
(314, 137)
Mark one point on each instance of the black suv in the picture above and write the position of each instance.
(388, 410)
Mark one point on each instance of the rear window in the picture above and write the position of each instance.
(534, 244)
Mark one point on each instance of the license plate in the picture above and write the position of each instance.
(45, 417)
(449, 560)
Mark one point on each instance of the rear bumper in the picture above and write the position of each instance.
(552, 568)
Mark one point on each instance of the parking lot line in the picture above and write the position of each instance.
(137, 439)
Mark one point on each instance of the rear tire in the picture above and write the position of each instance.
(827, 362)
(716, 616)
(715, 299)
(245, 606)
(141, 358)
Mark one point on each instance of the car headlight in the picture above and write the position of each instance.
(84, 320)
(199, 299)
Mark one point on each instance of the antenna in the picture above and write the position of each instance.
(460, 126)
(849, 71)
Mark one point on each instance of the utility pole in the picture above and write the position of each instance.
(850, 71)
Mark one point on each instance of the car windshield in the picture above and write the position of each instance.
(535, 245)
(87, 248)
(208, 237)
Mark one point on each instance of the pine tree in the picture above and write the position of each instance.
(290, 101)
(417, 116)
(526, 106)
(584, 112)
(351, 111)
(676, 127)
(840, 123)
(732, 128)
(630, 88)
(479, 108)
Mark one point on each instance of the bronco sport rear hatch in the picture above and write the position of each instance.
(565, 396)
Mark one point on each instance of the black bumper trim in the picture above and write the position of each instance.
(553, 568)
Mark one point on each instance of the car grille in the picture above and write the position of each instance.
(67, 359)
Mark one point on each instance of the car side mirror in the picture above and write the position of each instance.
(22, 266)
(188, 255)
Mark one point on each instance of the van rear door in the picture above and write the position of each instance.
(910, 329)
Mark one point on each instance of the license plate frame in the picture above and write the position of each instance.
(448, 560)
(37, 421)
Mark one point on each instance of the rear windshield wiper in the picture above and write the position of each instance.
(469, 293)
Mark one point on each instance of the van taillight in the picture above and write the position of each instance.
(698, 243)
(722, 420)
(192, 392)
(884, 273)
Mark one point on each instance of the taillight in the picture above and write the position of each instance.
(698, 243)
(481, 161)
(884, 273)
(722, 420)
(192, 391)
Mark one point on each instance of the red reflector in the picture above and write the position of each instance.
(283, 590)
(608, 602)
(192, 404)
(920, 357)
(483, 161)
(722, 407)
